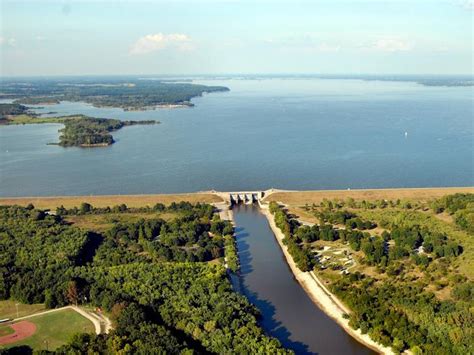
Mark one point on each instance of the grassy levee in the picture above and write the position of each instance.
(55, 329)
(317, 196)
(109, 200)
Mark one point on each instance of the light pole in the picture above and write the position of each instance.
(17, 314)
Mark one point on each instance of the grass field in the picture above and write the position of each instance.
(8, 309)
(56, 329)
(442, 223)
(310, 197)
(5, 330)
(103, 222)
(110, 200)
(27, 119)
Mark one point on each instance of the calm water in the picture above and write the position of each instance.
(292, 134)
(267, 281)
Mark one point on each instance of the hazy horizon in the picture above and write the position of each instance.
(51, 38)
(302, 75)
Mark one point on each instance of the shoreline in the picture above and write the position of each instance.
(287, 197)
(320, 295)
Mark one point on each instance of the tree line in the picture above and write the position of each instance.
(158, 302)
(394, 312)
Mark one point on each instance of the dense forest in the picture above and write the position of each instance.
(151, 274)
(408, 288)
(86, 131)
(127, 93)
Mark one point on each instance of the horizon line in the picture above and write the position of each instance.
(240, 74)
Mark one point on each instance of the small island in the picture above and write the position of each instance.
(78, 131)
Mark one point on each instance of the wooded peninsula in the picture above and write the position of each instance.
(78, 131)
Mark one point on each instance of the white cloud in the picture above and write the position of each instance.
(391, 44)
(159, 41)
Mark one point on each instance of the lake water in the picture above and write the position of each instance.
(289, 134)
(267, 281)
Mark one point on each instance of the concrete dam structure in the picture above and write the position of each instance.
(247, 197)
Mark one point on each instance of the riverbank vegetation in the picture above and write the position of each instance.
(127, 93)
(79, 130)
(404, 267)
(158, 277)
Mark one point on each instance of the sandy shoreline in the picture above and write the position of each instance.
(320, 295)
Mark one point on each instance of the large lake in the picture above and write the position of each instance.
(289, 134)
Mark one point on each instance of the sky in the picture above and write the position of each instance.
(243, 37)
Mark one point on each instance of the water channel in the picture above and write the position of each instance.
(267, 281)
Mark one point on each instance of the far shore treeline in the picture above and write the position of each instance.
(126, 93)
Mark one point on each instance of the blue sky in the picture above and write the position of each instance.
(194, 37)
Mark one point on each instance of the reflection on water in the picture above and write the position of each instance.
(287, 312)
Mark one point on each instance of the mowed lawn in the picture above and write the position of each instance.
(55, 329)
(5, 330)
(8, 309)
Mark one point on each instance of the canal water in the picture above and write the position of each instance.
(267, 281)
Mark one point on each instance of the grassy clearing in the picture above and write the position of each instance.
(27, 119)
(103, 222)
(8, 309)
(56, 329)
(300, 198)
(302, 215)
(110, 200)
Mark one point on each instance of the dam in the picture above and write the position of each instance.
(245, 197)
